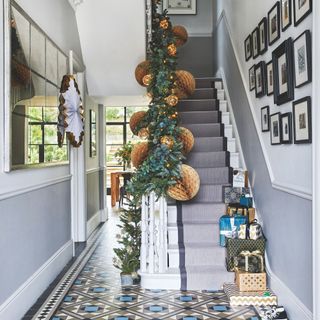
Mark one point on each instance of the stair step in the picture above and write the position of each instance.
(220, 94)
(225, 118)
(208, 144)
(221, 175)
(228, 131)
(208, 159)
(200, 232)
(231, 143)
(170, 280)
(209, 193)
(206, 129)
(195, 117)
(198, 105)
(203, 93)
(235, 160)
(223, 105)
(206, 82)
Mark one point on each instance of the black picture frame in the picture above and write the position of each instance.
(263, 36)
(270, 78)
(265, 119)
(248, 48)
(255, 43)
(301, 9)
(260, 79)
(284, 89)
(286, 14)
(275, 126)
(93, 134)
(302, 52)
(274, 23)
(302, 120)
(252, 79)
(286, 128)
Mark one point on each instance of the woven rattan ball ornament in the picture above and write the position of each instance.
(142, 69)
(172, 49)
(139, 153)
(187, 187)
(185, 84)
(181, 35)
(167, 141)
(146, 80)
(187, 139)
(143, 133)
(135, 120)
(172, 100)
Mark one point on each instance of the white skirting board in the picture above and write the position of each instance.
(22, 299)
(94, 221)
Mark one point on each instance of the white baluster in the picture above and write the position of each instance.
(161, 236)
(143, 251)
(165, 232)
(151, 232)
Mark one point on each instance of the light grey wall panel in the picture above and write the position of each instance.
(33, 227)
(93, 194)
(287, 219)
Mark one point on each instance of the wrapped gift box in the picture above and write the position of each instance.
(235, 246)
(240, 178)
(248, 261)
(272, 312)
(259, 298)
(233, 195)
(229, 227)
(246, 201)
(248, 282)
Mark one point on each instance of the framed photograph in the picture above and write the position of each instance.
(255, 43)
(286, 14)
(286, 128)
(270, 79)
(252, 78)
(274, 23)
(248, 48)
(93, 134)
(259, 74)
(283, 72)
(302, 59)
(180, 6)
(302, 121)
(275, 133)
(265, 119)
(263, 36)
(301, 9)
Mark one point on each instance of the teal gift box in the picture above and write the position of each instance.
(229, 227)
(246, 201)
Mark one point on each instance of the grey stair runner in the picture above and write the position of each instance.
(202, 260)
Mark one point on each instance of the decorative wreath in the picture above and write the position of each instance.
(70, 119)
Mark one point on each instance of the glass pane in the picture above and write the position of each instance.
(132, 110)
(131, 137)
(50, 114)
(50, 134)
(111, 159)
(55, 154)
(33, 154)
(114, 134)
(37, 58)
(35, 134)
(51, 95)
(35, 114)
(51, 62)
(39, 85)
(62, 66)
(114, 114)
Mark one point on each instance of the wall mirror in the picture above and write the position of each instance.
(93, 134)
(37, 66)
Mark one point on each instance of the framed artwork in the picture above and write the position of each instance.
(255, 43)
(286, 14)
(302, 121)
(283, 72)
(265, 119)
(302, 59)
(286, 128)
(275, 134)
(301, 9)
(274, 23)
(180, 6)
(263, 36)
(93, 134)
(259, 73)
(248, 48)
(252, 78)
(270, 79)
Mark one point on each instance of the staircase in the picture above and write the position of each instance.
(195, 259)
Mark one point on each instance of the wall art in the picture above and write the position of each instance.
(274, 23)
(302, 121)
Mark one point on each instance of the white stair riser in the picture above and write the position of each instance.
(174, 258)
(172, 214)
(218, 85)
(232, 145)
(225, 118)
(223, 106)
(228, 131)
(157, 281)
(173, 235)
(220, 94)
(234, 160)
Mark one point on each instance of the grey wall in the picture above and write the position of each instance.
(286, 218)
(33, 227)
(93, 194)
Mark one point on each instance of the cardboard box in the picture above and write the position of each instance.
(251, 281)
(240, 179)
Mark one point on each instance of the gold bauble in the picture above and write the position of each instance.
(187, 187)
(168, 141)
(185, 84)
(181, 35)
(146, 80)
(172, 100)
(164, 24)
(172, 49)
(139, 153)
(187, 139)
(135, 120)
(141, 70)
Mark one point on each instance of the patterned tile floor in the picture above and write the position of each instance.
(96, 293)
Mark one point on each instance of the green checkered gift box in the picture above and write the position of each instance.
(235, 246)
